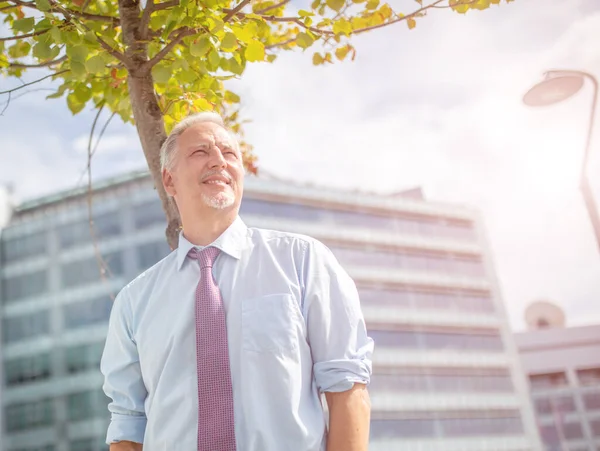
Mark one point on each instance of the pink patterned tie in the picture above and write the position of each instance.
(216, 431)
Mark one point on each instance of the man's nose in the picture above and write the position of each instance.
(217, 160)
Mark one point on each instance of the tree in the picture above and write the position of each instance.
(152, 63)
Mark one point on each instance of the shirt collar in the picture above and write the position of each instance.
(231, 242)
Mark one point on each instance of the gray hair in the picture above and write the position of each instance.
(169, 147)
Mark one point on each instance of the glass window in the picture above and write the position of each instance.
(469, 383)
(548, 380)
(105, 225)
(26, 326)
(431, 227)
(23, 370)
(410, 297)
(436, 340)
(29, 415)
(148, 214)
(448, 427)
(88, 404)
(550, 435)
(399, 259)
(23, 247)
(399, 382)
(572, 431)
(595, 427)
(382, 296)
(84, 313)
(590, 376)
(591, 401)
(81, 272)
(459, 427)
(555, 405)
(148, 254)
(382, 429)
(85, 444)
(36, 448)
(402, 339)
(24, 286)
(443, 383)
(83, 357)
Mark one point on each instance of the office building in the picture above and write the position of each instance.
(446, 371)
(563, 366)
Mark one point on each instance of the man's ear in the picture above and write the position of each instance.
(167, 179)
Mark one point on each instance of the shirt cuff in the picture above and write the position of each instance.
(126, 427)
(341, 375)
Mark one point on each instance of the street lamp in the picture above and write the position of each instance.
(559, 85)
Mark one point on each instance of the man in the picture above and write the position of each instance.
(228, 342)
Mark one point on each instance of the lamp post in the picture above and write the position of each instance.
(559, 85)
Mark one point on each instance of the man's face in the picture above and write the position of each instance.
(207, 169)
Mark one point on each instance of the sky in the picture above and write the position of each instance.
(438, 106)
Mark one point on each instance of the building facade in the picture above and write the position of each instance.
(563, 366)
(446, 370)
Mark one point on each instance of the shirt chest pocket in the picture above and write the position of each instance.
(271, 324)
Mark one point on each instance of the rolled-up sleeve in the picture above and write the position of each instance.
(337, 335)
(123, 381)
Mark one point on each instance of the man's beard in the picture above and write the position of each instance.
(219, 201)
(224, 199)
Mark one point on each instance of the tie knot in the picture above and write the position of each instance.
(206, 256)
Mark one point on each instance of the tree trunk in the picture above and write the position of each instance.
(146, 111)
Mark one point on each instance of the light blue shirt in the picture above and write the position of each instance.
(294, 328)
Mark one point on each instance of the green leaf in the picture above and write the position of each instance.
(42, 5)
(42, 51)
(231, 97)
(24, 25)
(235, 67)
(161, 74)
(303, 13)
(336, 5)
(255, 51)
(229, 42)
(74, 104)
(78, 70)
(83, 93)
(20, 49)
(342, 26)
(95, 64)
(342, 52)
(56, 35)
(214, 59)
(200, 47)
(304, 40)
(77, 53)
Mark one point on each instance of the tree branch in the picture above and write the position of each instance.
(7, 104)
(6, 8)
(272, 7)
(235, 10)
(23, 36)
(34, 66)
(33, 82)
(328, 32)
(118, 55)
(68, 12)
(279, 44)
(151, 7)
(176, 37)
(102, 266)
